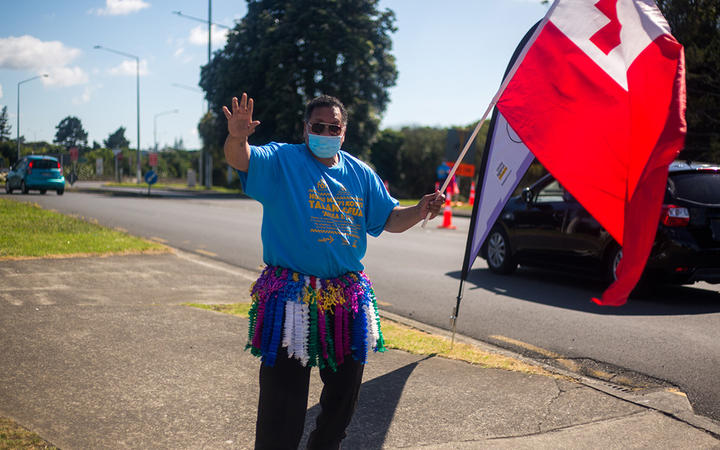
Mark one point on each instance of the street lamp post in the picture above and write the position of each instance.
(155, 124)
(137, 78)
(206, 170)
(18, 110)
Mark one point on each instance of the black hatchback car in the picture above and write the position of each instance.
(545, 226)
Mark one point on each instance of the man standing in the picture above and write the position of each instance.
(313, 305)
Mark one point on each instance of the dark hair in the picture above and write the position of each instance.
(325, 101)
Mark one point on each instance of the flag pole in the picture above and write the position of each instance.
(517, 59)
(495, 99)
(471, 231)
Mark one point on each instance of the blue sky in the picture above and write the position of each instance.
(450, 56)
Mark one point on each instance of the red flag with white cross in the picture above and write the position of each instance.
(599, 99)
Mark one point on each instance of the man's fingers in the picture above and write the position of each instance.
(235, 107)
(243, 101)
(251, 104)
(227, 113)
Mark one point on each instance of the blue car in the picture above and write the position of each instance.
(34, 172)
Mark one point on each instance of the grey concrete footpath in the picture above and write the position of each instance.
(100, 353)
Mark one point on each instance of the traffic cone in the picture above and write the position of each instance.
(471, 199)
(447, 214)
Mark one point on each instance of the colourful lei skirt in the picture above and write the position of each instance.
(319, 321)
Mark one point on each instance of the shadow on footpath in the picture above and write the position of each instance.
(378, 401)
(574, 292)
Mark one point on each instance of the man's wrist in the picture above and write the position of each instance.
(238, 139)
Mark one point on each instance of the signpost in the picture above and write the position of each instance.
(455, 141)
(151, 178)
(118, 156)
(74, 154)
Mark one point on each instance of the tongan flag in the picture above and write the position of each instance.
(600, 101)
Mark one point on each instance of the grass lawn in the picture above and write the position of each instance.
(13, 436)
(408, 339)
(179, 186)
(413, 202)
(30, 231)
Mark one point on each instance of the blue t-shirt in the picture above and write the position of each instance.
(315, 218)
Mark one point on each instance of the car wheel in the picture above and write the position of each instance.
(24, 188)
(60, 191)
(498, 251)
(8, 189)
(43, 191)
(612, 261)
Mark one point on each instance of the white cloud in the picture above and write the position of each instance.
(86, 95)
(64, 76)
(129, 67)
(1, 94)
(182, 56)
(198, 35)
(28, 52)
(120, 7)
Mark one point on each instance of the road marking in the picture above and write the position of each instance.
(676, 392)
(205, 252)
(158, 239)
(568, 364)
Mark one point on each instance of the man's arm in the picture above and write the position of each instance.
(240, 126)
(404, 217)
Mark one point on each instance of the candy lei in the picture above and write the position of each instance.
(319, 322)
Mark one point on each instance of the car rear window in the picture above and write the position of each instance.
(45, 164)
(701, 187)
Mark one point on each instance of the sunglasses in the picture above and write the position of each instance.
(320, 127)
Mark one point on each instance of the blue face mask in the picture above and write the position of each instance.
(324, 146)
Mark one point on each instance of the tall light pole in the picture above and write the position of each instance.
(18, 110)
(210, 23)
(155, 123)
(137, 77)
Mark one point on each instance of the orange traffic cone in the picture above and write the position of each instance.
(471, 199)
(447, 214)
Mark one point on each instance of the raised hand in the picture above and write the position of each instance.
(240, 123)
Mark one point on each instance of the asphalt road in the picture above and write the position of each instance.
(670, 337)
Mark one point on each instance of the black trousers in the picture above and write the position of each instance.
(283, 403)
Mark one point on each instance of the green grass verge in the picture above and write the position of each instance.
(236, 309)
(30, 231)
(411, 340)
(176, 186)
(413, 202)
(13, 436)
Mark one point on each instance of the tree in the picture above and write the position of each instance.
(4, 125)
(70, 132)
(385, 156)
(696, 25)
(117, 140)
(285, 52)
